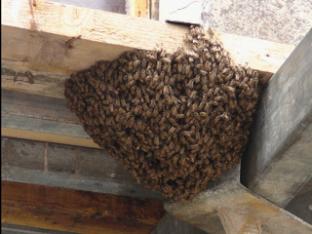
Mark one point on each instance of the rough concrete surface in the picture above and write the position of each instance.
(285, 21)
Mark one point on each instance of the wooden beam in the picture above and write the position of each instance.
(32, 82)
(239, 211)
(41, 118)
(50, 37)
(73, 167)
(278, 161)
(76, 211)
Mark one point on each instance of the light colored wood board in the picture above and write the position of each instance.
(45, 130)
(76, 211)
(17, 77)
(41, 51)
(261, 55)
(47, 137)
(239, 211)
(278, 160)
(33, 39)
(103, 35)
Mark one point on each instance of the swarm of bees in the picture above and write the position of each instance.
(175, 121)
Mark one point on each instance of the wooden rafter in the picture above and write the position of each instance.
(76, 211)
(72, 167)
(51, 37)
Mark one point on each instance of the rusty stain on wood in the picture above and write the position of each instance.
(70, 42)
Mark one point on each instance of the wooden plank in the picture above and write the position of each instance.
(38, 83)
(68, 167)
(278, 161)
(76, 211)
(42, 119)
(32, 38)
(238, 210)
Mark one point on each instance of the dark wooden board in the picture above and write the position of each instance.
(76, 211)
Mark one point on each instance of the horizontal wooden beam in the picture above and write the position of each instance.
(41, 118)
(51, 37)
(76, 211)
(32, 82)
(68, 167)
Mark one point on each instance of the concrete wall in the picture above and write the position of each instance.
(284, 21)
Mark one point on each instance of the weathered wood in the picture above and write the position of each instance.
(31, 82)
(32, 38)
(238, 210)
(69, 167)
(278, 161)
(76, 211)
(42, 119)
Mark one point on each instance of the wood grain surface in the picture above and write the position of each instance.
(76, 211)
(51, 37)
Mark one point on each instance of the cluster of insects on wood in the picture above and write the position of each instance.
(176, 121)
